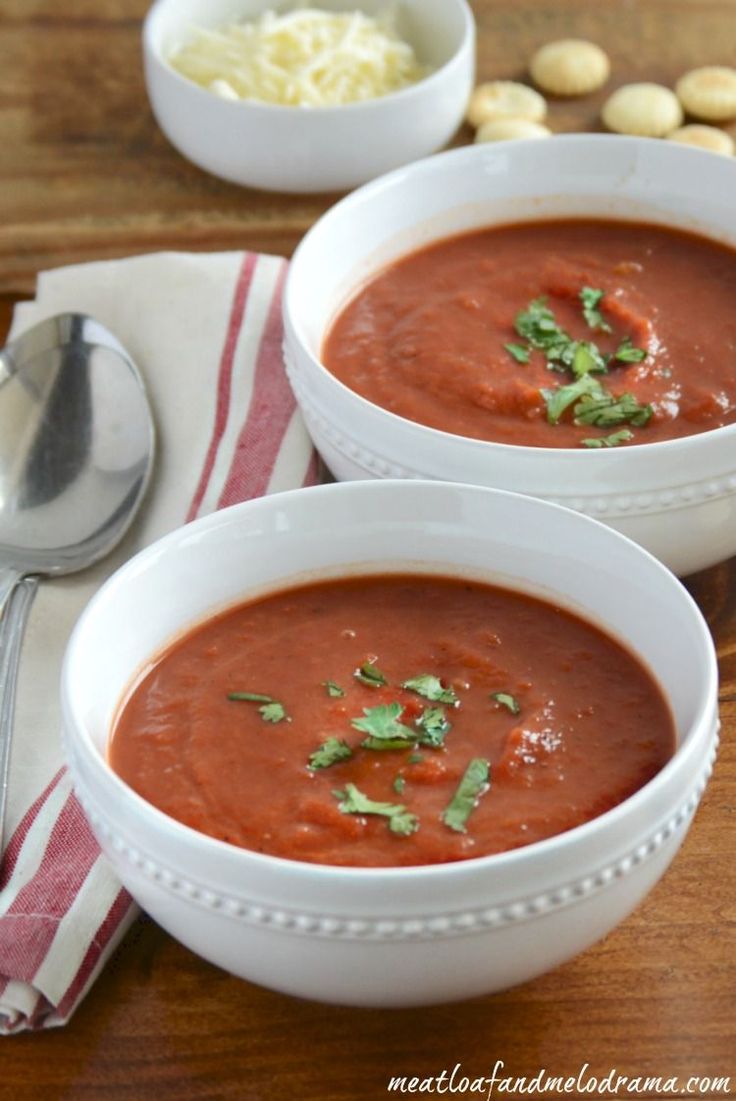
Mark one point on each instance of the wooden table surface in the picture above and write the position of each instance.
(85, 174)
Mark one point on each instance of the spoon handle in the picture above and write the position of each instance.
(12, 629)
(9, 578)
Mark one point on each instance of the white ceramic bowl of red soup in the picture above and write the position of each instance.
(548, 317)
(391, 742)
(317, 148)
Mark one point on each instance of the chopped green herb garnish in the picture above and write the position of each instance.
(271, 711)
(474, 783)
(586, 359)
(399, 784)
(629, 353)
(251, 697)
(434, 724)
(382, 744)
(382, 724)
(415, 758)
(604, 410)
(520, 352)
(593, 404)
(505, 699)
(431, 688)
(591, 299)
(616, 438)
(400, 821)
(370, 674)
(537, 325)
(329, 753)
(333, 689)
(562, 397)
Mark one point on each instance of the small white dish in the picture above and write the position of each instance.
(390, 936)
(298, 149)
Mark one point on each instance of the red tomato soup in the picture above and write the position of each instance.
(391, 720)
(551, 334)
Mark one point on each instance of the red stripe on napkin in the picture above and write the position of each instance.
(30, 923)
(10, 856)
(270, 411)
(105, 933)
(224, 381)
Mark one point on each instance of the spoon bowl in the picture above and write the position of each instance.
(76, 454)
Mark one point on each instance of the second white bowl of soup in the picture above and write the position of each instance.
(547, 317)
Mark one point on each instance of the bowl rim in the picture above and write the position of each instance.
(427, 166)
(465, 46)
(78, 741)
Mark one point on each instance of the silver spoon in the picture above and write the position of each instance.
(76, 453)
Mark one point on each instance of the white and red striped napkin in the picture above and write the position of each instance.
(205, 331)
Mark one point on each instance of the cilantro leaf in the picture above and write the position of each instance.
(520, 352)
(399, 784)
(560, 398)
(433, 724)
(329, 753)
(474, 783)
(381, 744)
(616, 438)
(382, 724)
(271, 711)
(332, 689)
(629, 353)
(370, 674)
(354, 801)
(538, 326)
(505, 699)
(586, 358)
(591, 299)
(604, 410)
(431, 688)
(252, 697)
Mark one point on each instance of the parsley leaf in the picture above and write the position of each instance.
(629, 353)
(399, 784)
(354, 801)
(520, 352)
(613, 440)
(505, 699)
(370, 674)
(329, 753)
(332, 689)
(431, 688)
(474, 783)
(271, 711)
(591, 299)
(382, 724)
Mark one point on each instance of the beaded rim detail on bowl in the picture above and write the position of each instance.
(440, 926)
(653, 501)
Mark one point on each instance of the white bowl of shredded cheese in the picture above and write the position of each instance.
(305, 98)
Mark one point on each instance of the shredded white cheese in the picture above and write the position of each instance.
(305, 57)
